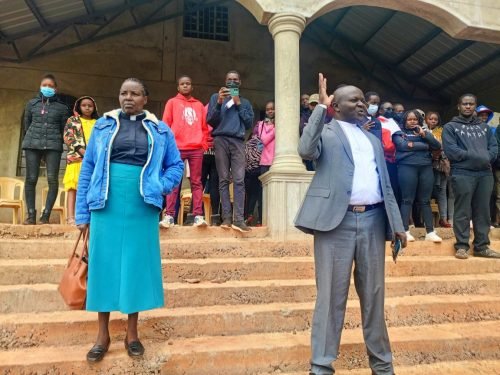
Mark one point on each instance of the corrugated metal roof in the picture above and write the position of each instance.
(439, 61)
(377, 35)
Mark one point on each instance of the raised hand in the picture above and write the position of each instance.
(323, 95)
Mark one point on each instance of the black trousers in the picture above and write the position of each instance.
(253, 188)
(472, 202)
(209, 174)
(416, 183)
(33, 159)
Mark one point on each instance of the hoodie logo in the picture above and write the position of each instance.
(189, 116)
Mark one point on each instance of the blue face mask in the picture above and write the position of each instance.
(48, 92)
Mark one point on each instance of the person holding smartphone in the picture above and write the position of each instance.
(230, 115)
(415, 173)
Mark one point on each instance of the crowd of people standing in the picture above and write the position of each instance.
(426, 159)
(212, 140)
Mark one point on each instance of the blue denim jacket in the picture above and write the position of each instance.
(162, 172)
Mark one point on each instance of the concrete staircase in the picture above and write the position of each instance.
(242, 304)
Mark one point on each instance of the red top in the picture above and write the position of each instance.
(187, 119)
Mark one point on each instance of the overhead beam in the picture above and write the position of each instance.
(44, 43)
(156, 11)
(88, 6)
(36, 12)
(85, 19)
(457, 77)
(419, 45)
(380, 26)
(354, 64)
(443, 59)
(343, 14)
(94, 37)
(387, 65)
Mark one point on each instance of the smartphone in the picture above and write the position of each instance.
(234, 90)
(396, 247)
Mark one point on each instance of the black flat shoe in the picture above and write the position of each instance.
(134, 349)
(97, 352)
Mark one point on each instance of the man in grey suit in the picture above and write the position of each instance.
(351, 210)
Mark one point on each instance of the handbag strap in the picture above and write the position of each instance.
(85, 246)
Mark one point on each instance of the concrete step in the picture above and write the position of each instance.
(74, 327)
(45, 297)
(60, 248)
(32, 271)
(262, 353)
(70, 232)
(485, 367)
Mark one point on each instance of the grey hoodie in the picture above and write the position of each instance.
(470, 146)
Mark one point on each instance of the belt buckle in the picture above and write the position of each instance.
(358, 208)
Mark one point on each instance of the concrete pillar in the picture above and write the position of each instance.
(287, 180)
(286, 29)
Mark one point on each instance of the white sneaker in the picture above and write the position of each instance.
(167, 222)
(199, 221)
(409, 237)
(432, 236)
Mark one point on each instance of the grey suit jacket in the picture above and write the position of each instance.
(327, 198)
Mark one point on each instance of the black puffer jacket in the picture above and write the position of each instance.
(44, 121)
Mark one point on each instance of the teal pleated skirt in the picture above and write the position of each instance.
(124, 272)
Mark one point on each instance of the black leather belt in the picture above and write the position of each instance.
(368, 207)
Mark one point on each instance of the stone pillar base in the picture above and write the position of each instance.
(283, 193)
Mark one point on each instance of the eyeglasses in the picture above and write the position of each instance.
(388, 109)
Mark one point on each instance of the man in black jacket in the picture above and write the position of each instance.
(471, 147)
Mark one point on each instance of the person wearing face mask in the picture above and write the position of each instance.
(265, 130)
(398, 113)
(44, 119)
(186, 116)
(231, 115)
(416, 177)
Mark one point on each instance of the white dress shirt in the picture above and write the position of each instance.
(366, 181)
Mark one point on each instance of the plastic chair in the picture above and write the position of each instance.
(185, 202)
(435, 212)
(9, 198)
(59, 205)
(207, 207)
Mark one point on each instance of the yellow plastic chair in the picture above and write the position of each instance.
(59, 205)
(9, 198)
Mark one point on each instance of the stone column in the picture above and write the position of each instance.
(286, 29)
(286, 182)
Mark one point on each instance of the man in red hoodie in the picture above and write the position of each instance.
(186, 116)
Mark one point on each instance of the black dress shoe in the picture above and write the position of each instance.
(97, 352)
(134, 349)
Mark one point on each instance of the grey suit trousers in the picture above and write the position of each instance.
(359, 238)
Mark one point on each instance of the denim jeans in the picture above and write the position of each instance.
(52, 161)
(230, 161)
(416, 183)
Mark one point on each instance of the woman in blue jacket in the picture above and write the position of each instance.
(131, 161)
(415, 174)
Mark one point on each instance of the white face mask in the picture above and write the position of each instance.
(372, 109)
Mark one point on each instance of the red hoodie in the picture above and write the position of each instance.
(187, 119)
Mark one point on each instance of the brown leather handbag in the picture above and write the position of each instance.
(73, 285)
